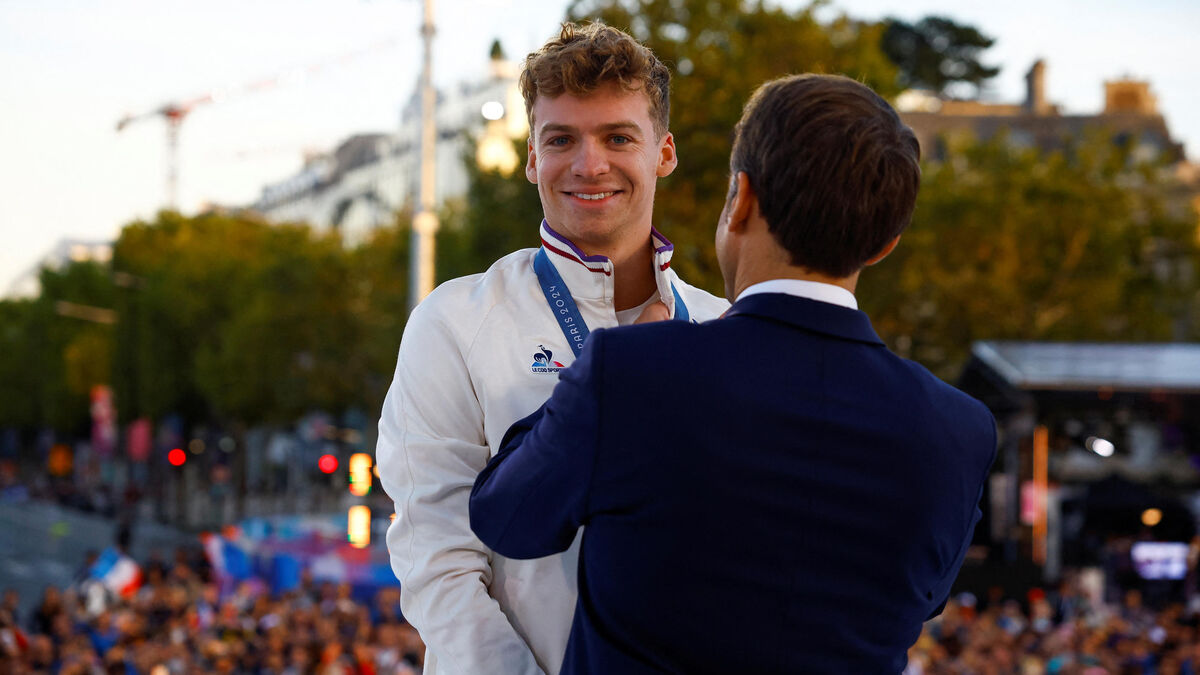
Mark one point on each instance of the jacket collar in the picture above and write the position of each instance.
(591, 276)
(811, 315)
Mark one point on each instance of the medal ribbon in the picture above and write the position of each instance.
(562, 305)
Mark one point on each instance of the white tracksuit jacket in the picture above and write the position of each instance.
(467, 371)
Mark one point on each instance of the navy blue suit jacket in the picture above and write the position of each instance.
(771, 492)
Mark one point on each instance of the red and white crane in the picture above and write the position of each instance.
(175, 112)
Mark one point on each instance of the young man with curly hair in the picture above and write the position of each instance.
(484, 350)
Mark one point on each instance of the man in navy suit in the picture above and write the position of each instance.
(818, 493)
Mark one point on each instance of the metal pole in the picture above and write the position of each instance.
(1041, 485)
(173, 123)
(425, 223)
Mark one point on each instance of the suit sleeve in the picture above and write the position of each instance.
(431, 446)
(988, 455)
(532, 498)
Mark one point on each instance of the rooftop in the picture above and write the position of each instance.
(1168, 367)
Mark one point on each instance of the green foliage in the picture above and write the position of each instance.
(49, 361)
(937, 53)
(190, 275)
(499, 215)
(1009, 243)
(378, 300)
(219, 318)
(234, 318)
(283, 349)
(20, 356)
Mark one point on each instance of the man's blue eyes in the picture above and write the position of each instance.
(564, 140)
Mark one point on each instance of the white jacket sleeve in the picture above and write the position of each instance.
(431, 447)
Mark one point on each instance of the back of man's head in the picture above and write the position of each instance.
(835, 171)
(584, 58)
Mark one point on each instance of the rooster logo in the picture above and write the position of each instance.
(543, 361)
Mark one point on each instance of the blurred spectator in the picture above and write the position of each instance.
(11, 602)
(42, 619)
(177, 624)
(1059, 634)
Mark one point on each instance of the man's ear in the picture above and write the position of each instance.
(531, 161)
(667, 158)
(743, 204)
(883, 253)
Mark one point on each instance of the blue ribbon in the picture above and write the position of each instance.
(562, 305)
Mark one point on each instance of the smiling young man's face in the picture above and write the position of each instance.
(595, 160)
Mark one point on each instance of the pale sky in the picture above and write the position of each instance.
(70, 69)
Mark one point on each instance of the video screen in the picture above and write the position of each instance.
(1160, 560)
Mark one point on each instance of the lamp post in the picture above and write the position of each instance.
(425, 222)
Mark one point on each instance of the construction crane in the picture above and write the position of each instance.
(176, 112)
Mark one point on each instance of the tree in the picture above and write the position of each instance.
(20, 381)
(498, 215)
(218, 319)
(290, 342)
(190, 272)
(378, 297)
(49, 360)
(1009, 243)
(937, 53)
(238, 319)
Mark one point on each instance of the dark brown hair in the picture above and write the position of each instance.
(835, 171)
(584, 57)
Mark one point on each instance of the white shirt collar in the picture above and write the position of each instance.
(813, 290)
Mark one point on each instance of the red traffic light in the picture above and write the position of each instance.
(327, 464)
(177, 457)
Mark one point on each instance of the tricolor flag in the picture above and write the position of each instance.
(229, 561)
(118, 572)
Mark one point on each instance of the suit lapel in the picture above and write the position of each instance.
(811, 315)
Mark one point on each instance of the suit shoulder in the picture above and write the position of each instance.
(954, 407)
(941, 390)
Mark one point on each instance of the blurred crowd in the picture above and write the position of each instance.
(1063, 632)
(178, 623)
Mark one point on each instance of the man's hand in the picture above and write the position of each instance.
(656, 312)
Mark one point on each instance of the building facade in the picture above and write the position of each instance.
(361, 184)
(1130, 114)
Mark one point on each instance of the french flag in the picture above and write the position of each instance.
(230, 563)
(118, 572)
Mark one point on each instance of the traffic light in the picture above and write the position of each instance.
(358, 526)
(177, 457)
(327, 463)
(360, 474)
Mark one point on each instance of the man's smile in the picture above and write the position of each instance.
(593, 196)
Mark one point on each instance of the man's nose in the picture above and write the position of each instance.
(591, 160)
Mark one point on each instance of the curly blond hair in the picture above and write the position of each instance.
(584, 57)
